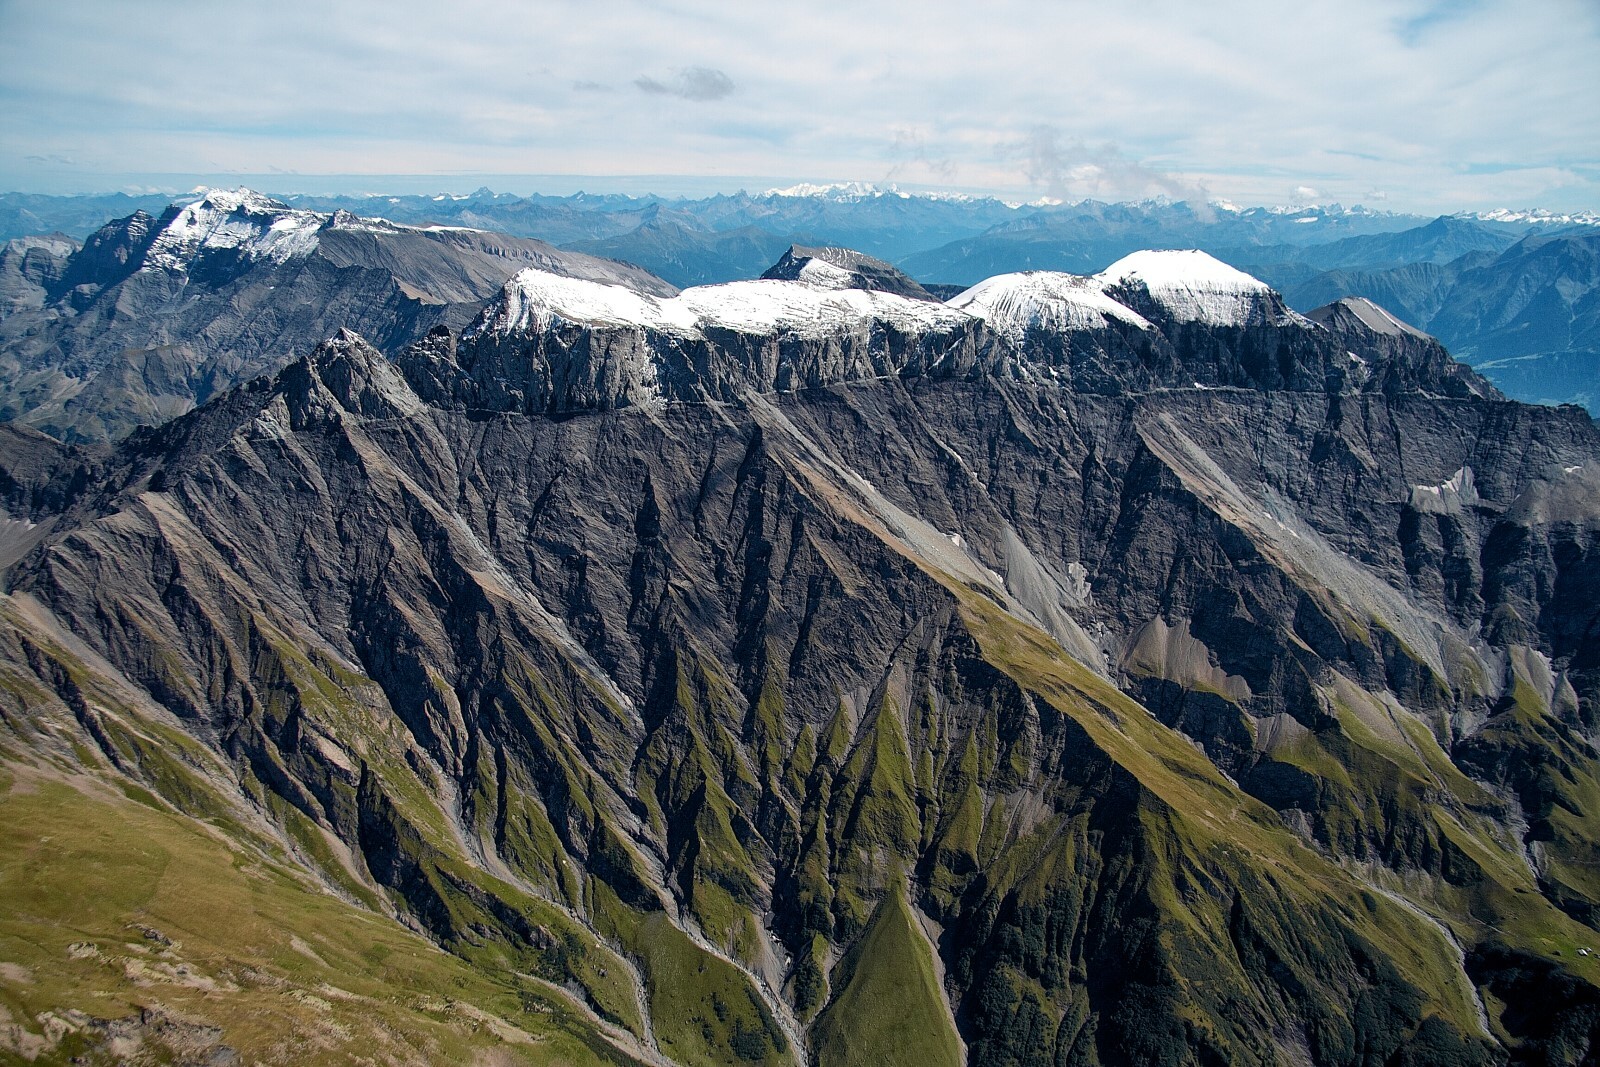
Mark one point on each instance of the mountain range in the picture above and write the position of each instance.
(1088, 669)
(1536, 342)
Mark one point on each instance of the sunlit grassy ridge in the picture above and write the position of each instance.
(120, 910)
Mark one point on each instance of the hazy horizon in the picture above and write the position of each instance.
(664, 187)
(1419, 106)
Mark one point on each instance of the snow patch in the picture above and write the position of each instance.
(1191, 285)
(257, 226)
(767, 305)
(1015, 304)
(536, 299)
(1448, 496)
(825, 275)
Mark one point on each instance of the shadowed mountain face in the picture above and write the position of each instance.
(1091, 671)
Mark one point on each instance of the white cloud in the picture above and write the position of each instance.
(691, 83)
(1441, 105)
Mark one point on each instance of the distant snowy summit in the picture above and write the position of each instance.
(857, 192)
(252, 225)
(228, 230)
(1534, 217)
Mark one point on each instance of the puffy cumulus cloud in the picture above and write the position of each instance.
(1442, 104)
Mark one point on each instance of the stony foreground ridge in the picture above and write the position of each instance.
(1189, 683)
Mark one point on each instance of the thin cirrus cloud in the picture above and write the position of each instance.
(690, 83)
(1434, 104)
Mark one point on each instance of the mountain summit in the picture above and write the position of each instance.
(843, 268)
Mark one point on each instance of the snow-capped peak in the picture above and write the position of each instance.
(1015, 304)
(241, 199)
(255, 225)
(258, 227)
(1181, 268)
(1191, 285)
(537, 300)
(838, 191)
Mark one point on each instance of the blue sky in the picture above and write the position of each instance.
(1420, 106)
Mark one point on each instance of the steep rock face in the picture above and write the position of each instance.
(553, 345)
(30, 269)
(1161, 726)
(549, 343)
(155, 315)
(1395, 356)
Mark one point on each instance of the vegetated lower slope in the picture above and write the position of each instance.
(154, 315)
(1167, 686)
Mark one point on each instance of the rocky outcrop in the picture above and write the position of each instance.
(1394, 357)
(843, 267)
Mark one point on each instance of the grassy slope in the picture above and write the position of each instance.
(889, 1010)
(1210, 815)
(704, 1009)
(94, 880)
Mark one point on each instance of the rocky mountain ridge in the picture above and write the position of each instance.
(155, 315)
(1421, 270)
(1115, 669)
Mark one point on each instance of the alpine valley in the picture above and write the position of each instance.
(422, 645)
